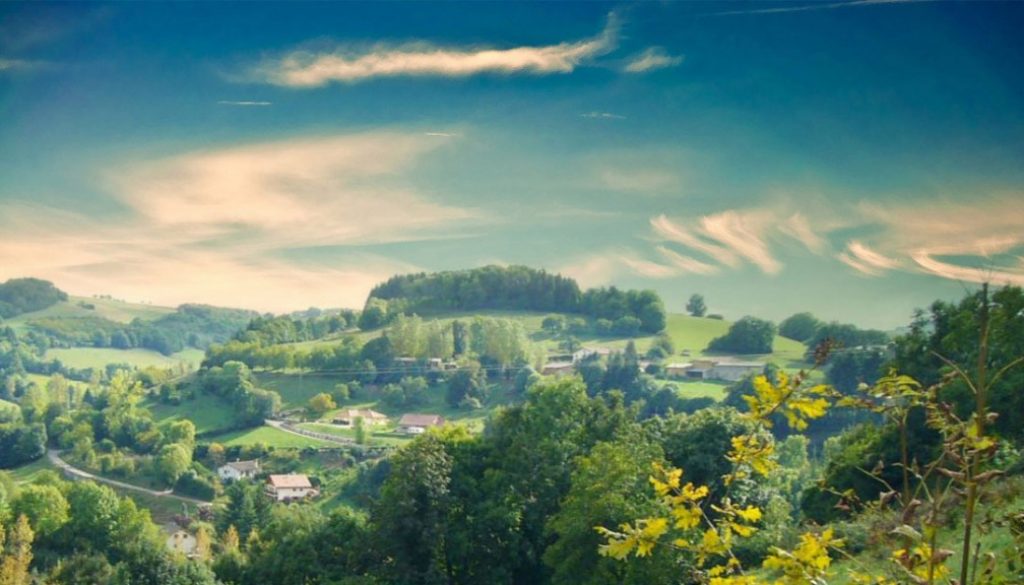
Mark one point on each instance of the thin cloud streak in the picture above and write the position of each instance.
(305, 69)
(652, 59)
(244, 103)
(819, 6)
(602, 116)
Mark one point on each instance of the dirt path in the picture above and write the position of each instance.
(66, 467)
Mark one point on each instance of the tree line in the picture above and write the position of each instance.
(508, 288)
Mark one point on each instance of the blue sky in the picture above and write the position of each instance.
(854, 159)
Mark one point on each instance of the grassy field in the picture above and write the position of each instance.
(688, 333)
(99, 357)
(377, 436)
(271, 437)
(208, 413)
(700, 388)
(119, 311)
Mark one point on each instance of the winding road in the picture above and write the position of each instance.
(68, 469)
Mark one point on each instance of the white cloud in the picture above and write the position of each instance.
(218, 224)
(602, 116)
(244, 103)
(13, 65)
(799, 228)
(652, 59)
(673, 232)
(303, 69)
(865, 260)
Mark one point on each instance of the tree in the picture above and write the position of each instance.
(696, 307)
(470, 381)
(15, 562)
(43, 505)
(800, 326)
(320, 404)
(609, 486)
(182, 431)
(460, 337)
(747, 336)
(374, 315)
(174, 459)
(360, 430)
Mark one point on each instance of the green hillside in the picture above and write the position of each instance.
(77, 308)
(98, 357)
(688, 333)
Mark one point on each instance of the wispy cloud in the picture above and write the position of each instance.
(947, 238)
(16, 65)
(244, 103)
(602, 116)
(815, 6)
(652, 59)
(219, 224)
(865, 260)
(346, 64)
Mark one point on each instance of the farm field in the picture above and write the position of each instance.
(269, 436)
(209, 413)
(376, 436)
(699, 389)
(99, 357)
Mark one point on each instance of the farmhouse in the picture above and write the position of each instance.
(236, 470)
(416, 424)
(294, 486)
(705, 369)
(347, 418)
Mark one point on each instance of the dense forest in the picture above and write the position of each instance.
(24, 295)
(512, 288)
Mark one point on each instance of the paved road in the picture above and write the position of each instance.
(54, 456)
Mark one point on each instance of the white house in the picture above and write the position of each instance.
(182, 542)
(705, 369)
(416, 424)
(347, 418)
(293, 486)
(236, 470)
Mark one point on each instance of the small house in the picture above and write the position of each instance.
(236, 470)
(416, 424)
(182, 542)
(347, 418)
(735, 371)
(293, 486)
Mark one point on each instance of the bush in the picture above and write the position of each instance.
(192, 484)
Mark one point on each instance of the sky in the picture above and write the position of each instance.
(855, 159)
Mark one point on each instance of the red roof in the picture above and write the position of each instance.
(292, 480)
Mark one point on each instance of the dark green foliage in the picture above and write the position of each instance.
(235, 383)
(850, 368)
(749, 335)
(248, 509)
(800, 326)
(844, 335)
(24, 295)
(469, 382)
(189, 326)
(696, 307)
(513, 288)
(21, 443)
(304, 546)
(952, 331)
(699, 442)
